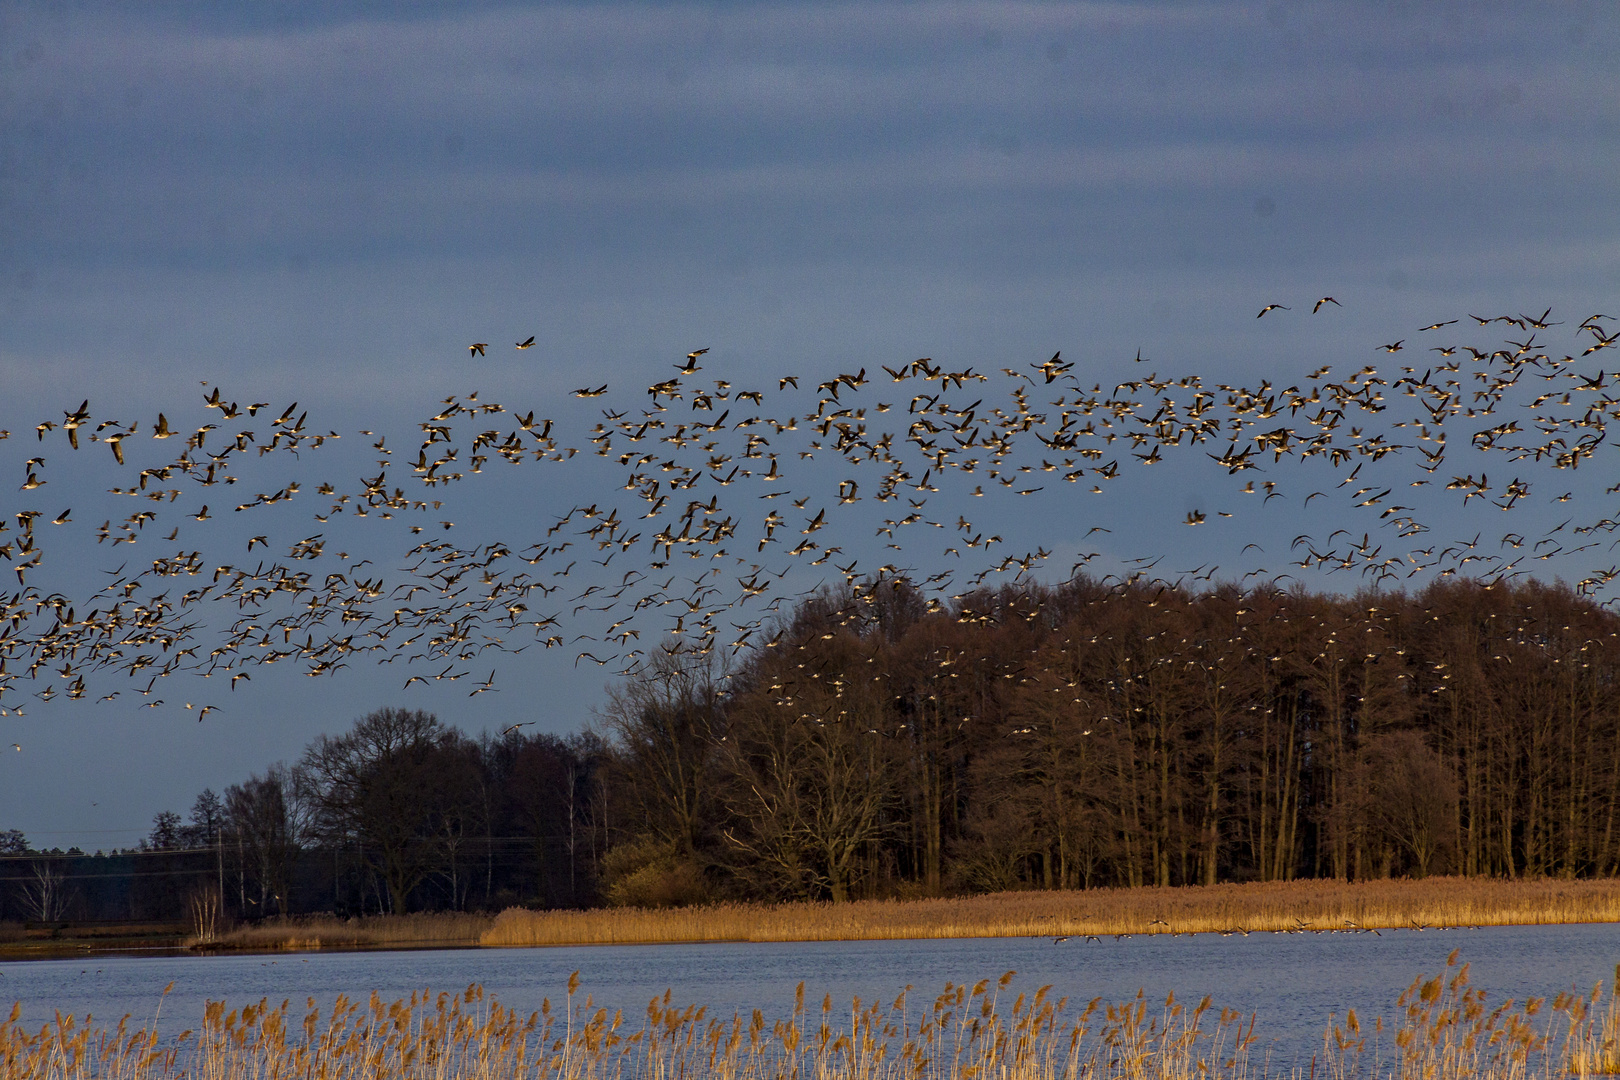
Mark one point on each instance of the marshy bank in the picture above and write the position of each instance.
(425, 930)
(1286, 907)
(1312, 906)
(52, 940)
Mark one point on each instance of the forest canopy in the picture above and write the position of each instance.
(1078, 736)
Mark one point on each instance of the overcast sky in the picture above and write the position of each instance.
(328, 202)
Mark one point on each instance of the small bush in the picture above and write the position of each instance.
(649, 874)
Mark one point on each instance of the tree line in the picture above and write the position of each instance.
(1073, 736)
(400, 813)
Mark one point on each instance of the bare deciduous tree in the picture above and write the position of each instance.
(667, 722)
(45, 890)
(377, 787)
(1413, 797)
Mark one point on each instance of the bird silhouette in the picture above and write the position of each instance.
(688, 465)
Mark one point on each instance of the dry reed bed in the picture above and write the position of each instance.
(1277, 906)
(372, 931)
(1443, 1030)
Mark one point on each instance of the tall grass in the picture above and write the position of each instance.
(371, 931)
(1443, 1031)
(1447, 1030)
(1297, 906)
(963, 1033)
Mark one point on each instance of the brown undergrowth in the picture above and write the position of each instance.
(1442, 1030)
(1296, 906)
(424, 930)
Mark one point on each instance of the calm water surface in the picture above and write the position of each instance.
(1295, 982)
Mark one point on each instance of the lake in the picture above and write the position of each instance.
(1294, 982)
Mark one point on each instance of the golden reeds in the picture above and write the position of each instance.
(1447, 1031)
(964, 1033)
(1443, 1032)
(1313, 905)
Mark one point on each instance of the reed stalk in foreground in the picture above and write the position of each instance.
(1295, 906)
(1443, 1032)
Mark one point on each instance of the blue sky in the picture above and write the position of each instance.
(326, 203)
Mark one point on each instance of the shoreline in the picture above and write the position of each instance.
(76, 951)
(1311, 906)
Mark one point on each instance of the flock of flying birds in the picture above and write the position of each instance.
(693, 548)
